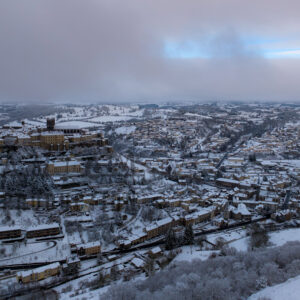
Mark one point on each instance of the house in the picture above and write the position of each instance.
(39, 273)
(137, 263)
(220, 222)
(228, 182)
(79, 206)
(283, 215)
(59, 167)
(241, 213)
(155, 252)
(9, 232)
(91, 200)
(124, 244)
(197, 217)
(160, 203)
(161, 227)
(88, 249)
(38, 203)
(112, 257)
(137, 239)
(149, 198)
(53, 141)
(173, 202)
(43, 230)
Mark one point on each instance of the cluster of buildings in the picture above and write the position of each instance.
(44, 230)
(186, 168)
(51, 137)
(283, 141)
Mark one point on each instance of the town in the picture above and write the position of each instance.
(92, 194)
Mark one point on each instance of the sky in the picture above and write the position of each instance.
(149, 50)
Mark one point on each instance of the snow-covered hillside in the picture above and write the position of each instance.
(289, 290)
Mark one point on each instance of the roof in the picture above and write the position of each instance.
(242, 209)
(159, 223)
(155, 250)
(88, 245)
(9, 228)
(65, 163)
(137, 262)
(164, 221)
(74, 125)
(228, 180)
(45, 133)
(43, 227)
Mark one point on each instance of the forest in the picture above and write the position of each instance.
(232, 275)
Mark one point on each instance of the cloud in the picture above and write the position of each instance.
(113, 50)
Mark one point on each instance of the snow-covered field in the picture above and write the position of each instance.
(48, 253)
(18, 249)
(277, 238)
(240, 244)
(96, 113)
(239, 241)
(192, 252)
(228, 236)
(105, 119)
(24, 219)
(289, 290)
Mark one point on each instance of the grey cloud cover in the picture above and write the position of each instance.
(112, 50)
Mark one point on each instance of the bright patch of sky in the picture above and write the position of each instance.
(186, 49)
(270, 48)
(284, 53)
